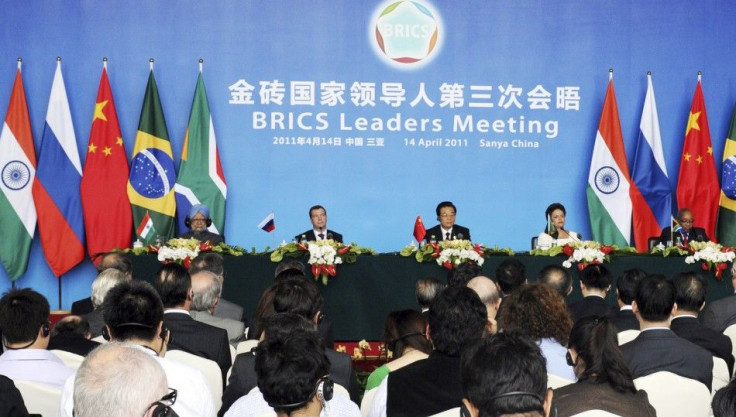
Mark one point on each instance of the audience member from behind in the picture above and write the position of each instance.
(405, 335)
(540, 312)
(24, 318)
(174, 285)
(463, 273)
(115, 260)
(721, 314)
(690, 289)
(206, 290)
(215, 263)
(504, 375)
(110, 382)
(490, 296)
(604, 381)
(11, 402)
(657, 348)
(293, 379)
(624, 319)
(71, 334)
(558, 278)
(595, 283)
(289, 263)
(457, 318)
(105, 281)
(425, 291)
(724, 401)
(510, 275)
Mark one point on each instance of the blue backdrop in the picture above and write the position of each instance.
(281, 73)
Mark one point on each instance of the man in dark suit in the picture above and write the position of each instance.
(199, 222)
(624, 319)
(447, 229)
(115, 260)
(690, 289)
(318, 217)
(595, 283)
(174, 285)
(71, 334)
(215, 263)
(657, 348)
(457, 318)
(721, 314)
(686, 233)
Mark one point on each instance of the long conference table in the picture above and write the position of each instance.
(362, 294)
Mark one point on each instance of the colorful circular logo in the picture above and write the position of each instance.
(407, 34)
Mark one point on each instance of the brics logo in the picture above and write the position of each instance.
(407, 33)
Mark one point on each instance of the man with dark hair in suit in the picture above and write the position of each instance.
(657, 348)
(215, 263)
(594, 283)
(557, 277)
(174, 285)
(721, 314)
(687, 232)
(318, 217)
(72, 334)
(457, 318)
(690, 289)
(463, 273)
(624, 319)
(447, 229)
(510, 275)
(116, 260)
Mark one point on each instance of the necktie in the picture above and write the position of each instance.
(447, 235)
(684, 238)
(321, 236)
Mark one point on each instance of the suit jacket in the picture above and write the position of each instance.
(456, 231)
(73, 343)
(586, 395)
(720, 314)
(718, 344)
(229, 310)
(243, 377)
(695, 234)
(199, 339)
(96, 322)
(591, 305)
(235, 329)
(11, 402)
(662, 350)
(204, 236)
(310, 236)
(82, 307)
(425, 387)
(625, 320)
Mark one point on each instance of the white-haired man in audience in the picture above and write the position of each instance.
(117, 380)
(215, 263)
(116, 260)
(207, 289)
(105, 280)
(490, 296)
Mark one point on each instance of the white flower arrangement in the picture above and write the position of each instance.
(176, 254)
(712, 255)
(585, 253)
(323, 252)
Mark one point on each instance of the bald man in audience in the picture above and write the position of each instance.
(557, 277)
(489, 295)
(71, 334)
(207, 289)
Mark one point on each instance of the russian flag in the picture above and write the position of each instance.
(268, 223)
(650, 176)
(56, 186)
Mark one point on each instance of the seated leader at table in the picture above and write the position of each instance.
(318, 217)
(447, 229)
(687, 233)
(198, 221)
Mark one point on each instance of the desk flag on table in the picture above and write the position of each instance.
(419, 231)
(107, 217)
(18, 164)
(727, 212)
(697, 184)
(268, 224)
(152, 175)
(56, 189)
(609, 184)
(201, 179)
(649, 173)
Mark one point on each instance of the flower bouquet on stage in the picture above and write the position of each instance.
(711, 255)
(182, 250)
(324, 255)
(447, 253)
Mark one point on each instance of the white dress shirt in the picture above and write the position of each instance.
(254, 405)
(34, 365)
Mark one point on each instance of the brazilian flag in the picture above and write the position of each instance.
(726, 231)
(152, 175)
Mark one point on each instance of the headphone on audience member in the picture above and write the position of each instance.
(188, 222)
(324, 389)
(391, 344)
(46, 328)
(164, 330)
(45, 331)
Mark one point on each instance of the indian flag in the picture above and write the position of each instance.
(146, 229)
(609, 202)
(18, 165)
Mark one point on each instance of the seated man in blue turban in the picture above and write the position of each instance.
(198, 221)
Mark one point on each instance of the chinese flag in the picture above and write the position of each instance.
(419, 231)
(697, 183)
(108, 218)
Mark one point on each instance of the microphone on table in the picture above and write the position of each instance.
(460, 236)
(329, 236)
